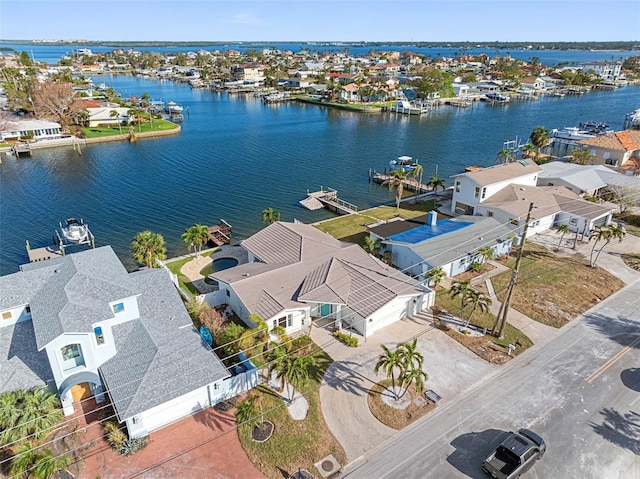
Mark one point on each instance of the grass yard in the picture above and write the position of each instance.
(555, 289)
(158, 125)
(176, 266)
(481, 320)
(294, 444)
(352, 227)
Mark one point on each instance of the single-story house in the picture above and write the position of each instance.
(297, 273)
(421, 244)
(86, 327)
(31, 129)
(103, 115)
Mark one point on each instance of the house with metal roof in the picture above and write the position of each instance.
(84, 326)
(421, 244)
(297, 273)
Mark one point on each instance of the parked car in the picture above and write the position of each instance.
(515, 456)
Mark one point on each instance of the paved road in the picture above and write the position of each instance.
(580, 391)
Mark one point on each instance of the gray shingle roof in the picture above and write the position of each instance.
(498, 173)
(161, 356)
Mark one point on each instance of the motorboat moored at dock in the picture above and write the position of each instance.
(74, 231)
(405, 162)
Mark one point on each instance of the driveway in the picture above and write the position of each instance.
(451, 367)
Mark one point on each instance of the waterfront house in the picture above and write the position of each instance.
(621, 148)
(298, 273)
(420, 244)
(19, 129)
(249, 73)
(533, 83)
(505, 192)
(102, 116)
(607, 71)
(86, 327)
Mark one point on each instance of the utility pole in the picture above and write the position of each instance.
(501, 320)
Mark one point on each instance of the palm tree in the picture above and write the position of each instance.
(247, 412)
(614, 232)
(396, 180)
(596, 235)
(38, 463)
(417, 173)
(436, 182)
(195, 236)
(410, 354)
(294, 369)
(298, 372)
(476, 299)
(539, 137)
(82, 116)
(371, 245)
(460, 289)
(390, 362)
(270, 215)
(147, 248)
(134, 115)
(564, 229)
(411, 375)
(30, 413)
(436, 275)
(506, 156)
(115, 114)
(528, 149)
(486, 253)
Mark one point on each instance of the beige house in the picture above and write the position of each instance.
(621, 148)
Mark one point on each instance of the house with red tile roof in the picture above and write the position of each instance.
(621, 148)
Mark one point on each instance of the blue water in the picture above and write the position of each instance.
(52, 53)
(236, 156)
(426, 232)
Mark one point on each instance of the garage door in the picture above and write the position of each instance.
(391, 313)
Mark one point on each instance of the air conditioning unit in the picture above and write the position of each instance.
(327, 466)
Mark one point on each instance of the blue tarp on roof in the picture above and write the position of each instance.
(425, 232)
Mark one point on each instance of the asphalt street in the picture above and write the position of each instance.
(580, 391)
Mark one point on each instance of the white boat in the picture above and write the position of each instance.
(495, 97)
(75, 231)
(404, 162)
(571, 133)
(173, 107)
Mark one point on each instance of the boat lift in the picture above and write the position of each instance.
(74, 232)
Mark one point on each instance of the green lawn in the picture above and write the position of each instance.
(158, 125)
(485, 320)
(294, 444)
(176, 266)
(352, 227)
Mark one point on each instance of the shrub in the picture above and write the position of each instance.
(477, 267)
(116, 439)
(131, 446)
(301, 342)
(278, 331)
(345, 338)
(229, 338)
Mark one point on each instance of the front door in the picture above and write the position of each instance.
(325, 310)
(80, 391)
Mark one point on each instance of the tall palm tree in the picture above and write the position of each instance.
(392, 363)
(540, 137)
(410, 354)
(459, 289)
(115, 114)
(436, 182)
(476, 299)
(396, 180)
(528, 149)
(269, 215)
(134, 116)
(417, 174)
(615, 232)
(28, 414)
(195, 236)
(416, 375)
(563, 229)
(506, 156)
(147, 248)
(436, 275)
(596, 235)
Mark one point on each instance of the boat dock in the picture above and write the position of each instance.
(327, 199)
(21, 149)
(41, 254)
(220, 234)
(409, 183)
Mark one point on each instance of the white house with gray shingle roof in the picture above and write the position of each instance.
(98, 329)
(298, 273)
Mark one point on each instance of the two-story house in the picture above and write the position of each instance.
(621, 149)
(298, 273)
(248, 73)
(98, 330)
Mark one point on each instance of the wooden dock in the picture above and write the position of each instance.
(220, 234)
(21, 149)
(42, 254)
(327, 199)
(409, 184)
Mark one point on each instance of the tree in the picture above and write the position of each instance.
(404, 363)
(38, 463)
(28, 414)
(396, 180)
(392, 363)
(486, 253)
(115, 114)
(436, 182)
(195, 236)
(608, 234)
(147, 248)
(539, 137)
(459, 289)
(270, 215)
(506, 156)
(436, 275)
(55, 100)
(563, 229)
(371, 245)
(247, 412)
(82, 116)
(581, 156)
(417, 173)
(476, 299)
(528, 149)
(287, 367)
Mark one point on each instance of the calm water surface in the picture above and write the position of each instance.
(236, 156)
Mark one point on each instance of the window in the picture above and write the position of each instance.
(476, 194)
(606, 155)
(484, 192)
(592, 151)
(289, 320)
(97, 331)
(118, 308)
(6, 315)
(227, 292)
(490, 214)
(28, 309)
(457, 187)
(71, 356)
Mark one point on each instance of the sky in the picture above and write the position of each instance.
(327, 20)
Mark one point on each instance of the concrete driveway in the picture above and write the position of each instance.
(451, 367)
